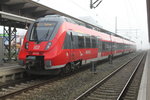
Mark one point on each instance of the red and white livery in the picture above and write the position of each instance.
(55, 43)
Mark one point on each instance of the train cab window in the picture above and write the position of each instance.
(42, 30)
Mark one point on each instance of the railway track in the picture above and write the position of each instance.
(12, 91)
(115, 85)
(15, 88)
(131, 92)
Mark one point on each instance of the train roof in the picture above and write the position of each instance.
(75, 21)
(51, 18)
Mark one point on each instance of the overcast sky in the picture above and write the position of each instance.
(131, 15)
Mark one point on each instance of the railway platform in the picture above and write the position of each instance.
(144, 90)
(10, 71)
(9, 65)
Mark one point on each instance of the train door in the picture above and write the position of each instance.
(99, 44)
(72, 47)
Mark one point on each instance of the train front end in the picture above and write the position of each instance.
(38, 47)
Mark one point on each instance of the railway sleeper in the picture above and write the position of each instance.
(94, 98)
(129, 98)
(112, 97)
(106, 92)
(109, 90)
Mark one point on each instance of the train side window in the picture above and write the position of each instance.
(106, 46)
(116, 46)
(71, 36)
(119, 46)
(103, 46)
(113, 46)
(122, 46)
(75, 37)
(85, 41)
(93, 42)
(88, 43)
(80, 41)
(67, 41)
(99, 44)
(110, 46)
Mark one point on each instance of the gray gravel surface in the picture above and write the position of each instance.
(71, 87)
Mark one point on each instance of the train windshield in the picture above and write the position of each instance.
(41, 31)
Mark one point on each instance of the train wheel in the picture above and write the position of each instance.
(66, 70)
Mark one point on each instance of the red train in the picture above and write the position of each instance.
(56, 43)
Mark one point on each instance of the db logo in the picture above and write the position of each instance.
(36, 47)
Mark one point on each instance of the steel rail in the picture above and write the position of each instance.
(130, 79)
(3, 97)
(86, 93)
(40, 84)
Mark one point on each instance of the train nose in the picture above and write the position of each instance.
(37, 47)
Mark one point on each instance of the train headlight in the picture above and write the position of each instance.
(48, 45)
(26, 45)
